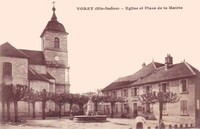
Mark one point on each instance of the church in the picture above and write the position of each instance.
(47, 69)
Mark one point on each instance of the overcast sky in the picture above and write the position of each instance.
(106, 45)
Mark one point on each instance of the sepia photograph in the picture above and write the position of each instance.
(93, 64)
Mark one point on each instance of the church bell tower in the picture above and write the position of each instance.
(54, 46)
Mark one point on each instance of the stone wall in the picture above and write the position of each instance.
(19, 69)
(48, 39)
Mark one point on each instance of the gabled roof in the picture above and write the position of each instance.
(35, 57)
(142, 72)
(176, 71)
(33, 75)
(8, 50)
(150, 74)
(127, 80)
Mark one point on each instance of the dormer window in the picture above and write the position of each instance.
(56, 42)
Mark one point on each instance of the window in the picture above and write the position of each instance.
(183, 84)
(163, 87)
(122, 110)
(134, 91)
(148, 108)
(7, 69)
(114, 93)
(148, 89)
(164, 111)
(125, 93)
(116, 108)
(183, 107)
(56, 42)
(126, 108)
(107, 93)
(135, 109)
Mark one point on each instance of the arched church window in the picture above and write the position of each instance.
(7, 68)
(56, 42)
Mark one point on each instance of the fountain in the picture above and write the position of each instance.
(90, 116)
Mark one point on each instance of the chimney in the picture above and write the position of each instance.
(168, 61)
(143, 65)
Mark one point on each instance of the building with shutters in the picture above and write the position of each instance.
(181, 78)
(47, 69)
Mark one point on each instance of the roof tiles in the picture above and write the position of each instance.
(154, 72)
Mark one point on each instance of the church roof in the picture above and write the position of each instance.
(33, 75)
(35, 57)
(54, 25)
(48, 75)
(8, 50)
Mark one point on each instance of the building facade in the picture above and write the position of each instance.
(47, 69)
(181, 78)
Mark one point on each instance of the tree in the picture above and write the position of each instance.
(59, 99)
(112, 100)
(6, 98)
(18, 93)
(96, 99)
(71, 100)
(32, 97)
(81, 100)
(44, 97)
(160, 98)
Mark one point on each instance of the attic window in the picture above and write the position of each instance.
(56, 42)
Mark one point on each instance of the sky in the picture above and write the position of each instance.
(104, 45)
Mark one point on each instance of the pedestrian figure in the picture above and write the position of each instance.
(71, 116)
(161, 124)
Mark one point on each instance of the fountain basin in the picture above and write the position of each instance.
(95, 118)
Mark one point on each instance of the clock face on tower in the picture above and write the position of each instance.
(56, 58)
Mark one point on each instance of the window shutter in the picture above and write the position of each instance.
(180, 87)
(167, 87)
(185, 105)
(181, 105)
(160, 87)
(138, 91)
(144, 88)
(150, 88)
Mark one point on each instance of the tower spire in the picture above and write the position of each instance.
(54, 18)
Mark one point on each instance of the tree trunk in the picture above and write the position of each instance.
(3, 111)
(160, 109)
(70, 107)
(8, 110)
(33, 109)
(16, 110)
(60, 107)
(96, 106)
(112, 106)
(81, 109)
(43, 109)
